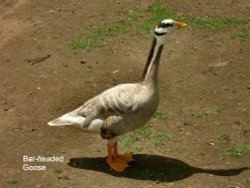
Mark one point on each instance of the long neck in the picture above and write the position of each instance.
(150, 74)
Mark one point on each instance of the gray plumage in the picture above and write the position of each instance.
(125, 107)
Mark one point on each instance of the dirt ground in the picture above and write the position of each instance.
(205, 91)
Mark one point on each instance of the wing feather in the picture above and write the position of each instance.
(116, 101)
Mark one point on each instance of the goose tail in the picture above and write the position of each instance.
(67, 119)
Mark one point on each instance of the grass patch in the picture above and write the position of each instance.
(239, 150)
(99, 35)
(111, 30)
(241, 35)
(156, 13)
(157, 138)
(160, 115)
(216, 24)
(97, 150)
(201, 115)
(57, 170)
(225, 88)
(248, 120)
(144, 131)
(220, 23)
(47, 155)
(160, 138)
(153, 14)
(138, 12)
(179, 81)
(210, 40)
(222, 138)
(12, 181)
(86, 43)
(199, 22)
(247, 181)
(218, 109)
(128, 140)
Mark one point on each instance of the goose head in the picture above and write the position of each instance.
(167, 26)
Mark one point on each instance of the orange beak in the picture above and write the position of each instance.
(181, 25)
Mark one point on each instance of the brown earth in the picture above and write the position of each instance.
(196, 77)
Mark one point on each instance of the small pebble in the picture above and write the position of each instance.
(83, 62)
(236, 122)
(211, 142)
(32, 130)
(63, 177)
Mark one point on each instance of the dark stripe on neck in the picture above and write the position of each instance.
(150, 56)
(160, 34)
(152, 64)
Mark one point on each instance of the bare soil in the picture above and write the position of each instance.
(196, 77)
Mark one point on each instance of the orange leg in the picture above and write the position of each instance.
(115, 163)
(126, 156)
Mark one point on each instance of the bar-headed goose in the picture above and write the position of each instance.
(125, 107)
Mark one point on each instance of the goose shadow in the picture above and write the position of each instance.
(152, 167)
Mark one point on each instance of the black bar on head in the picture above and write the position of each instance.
(164, 25)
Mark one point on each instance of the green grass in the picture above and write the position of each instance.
(248, 120)
(138, 12)
(144, 131)
(128, 140)
(47, 155)
(247, 181)
(239, 150)
(218, 109)
(57, 170)
(141, 20)
(99, 35)
(221, 138)
(12, 181)
(201, 115)
(189, 86)
(86, 43)
(215, 24)
(160, 138)
(170, 50)
(97, 150)
(241, 35)
(179, 81)
(225, 88)
(221, 23)
(160, 115)
(157, 138)
(210, 40)
(156, 13)
(111, 30)
(199, 22)
(195, 126)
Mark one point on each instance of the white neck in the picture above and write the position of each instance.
(151, 69)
